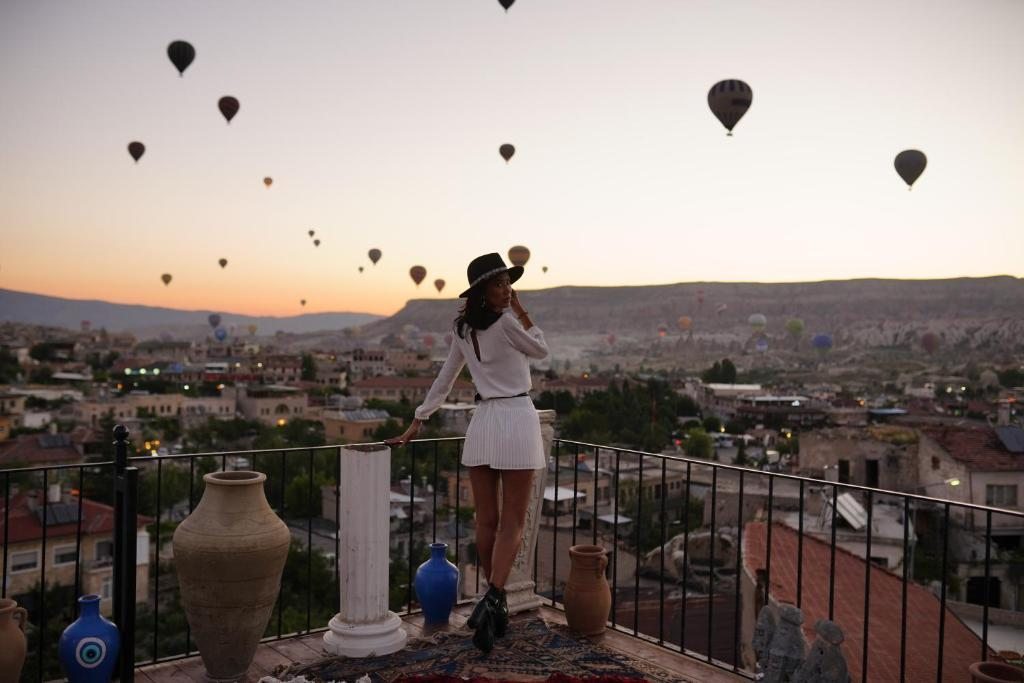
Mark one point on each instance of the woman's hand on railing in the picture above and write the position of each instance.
(408, 435)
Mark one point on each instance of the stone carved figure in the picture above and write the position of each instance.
(764, 630)
(825, 662)
(779, 660)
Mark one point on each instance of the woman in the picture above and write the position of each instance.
(495, 337)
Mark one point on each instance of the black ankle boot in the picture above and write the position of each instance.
(500, 613)
(490, 598)
(483, 638)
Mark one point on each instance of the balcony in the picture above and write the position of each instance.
(697, 549)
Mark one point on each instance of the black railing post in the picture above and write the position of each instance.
(126, 489)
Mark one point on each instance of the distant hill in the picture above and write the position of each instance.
(145, 321)
(965, 312)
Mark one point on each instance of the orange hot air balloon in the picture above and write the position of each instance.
(417, 273)
(439, 283)
(507, 151)
(374, 255)
(519, 255)
(685, 322)
(228, 107)
(268, 181)
(252, 328)
(223, 262)
(166, 277)
(302, 301)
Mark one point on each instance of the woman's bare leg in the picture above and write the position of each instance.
(484, 481)
(515, 497)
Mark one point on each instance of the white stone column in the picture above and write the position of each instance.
(364, 626)
(520, 588)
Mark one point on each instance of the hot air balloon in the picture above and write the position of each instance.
(544, 268)
(374, 255)
(428, 341)
(757, 321)
(220, 333)
(795, 327)
(761, 345)
(360, 269)
(316, 243)
(85, 324)
(700, 298)
(822, 342)
(181, 54)
(519, 255)
(439, 283)
(268, 181)
(251, 328)
(213, 319)
(166, 277)
(136, 149)
(684, 322)
(417, 273)
(662, 330)
(910, 165)
(721, 309)
(729, 101)
(223, 262)
(228, 106)
(506, 151)
(610, 339)
(930, 342)
(506, 3)
(312, 232)
(302, 301)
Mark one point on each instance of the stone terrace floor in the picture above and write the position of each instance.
(309, 648)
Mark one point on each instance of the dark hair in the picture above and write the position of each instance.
(475, 313)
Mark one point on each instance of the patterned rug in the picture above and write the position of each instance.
(532, 648)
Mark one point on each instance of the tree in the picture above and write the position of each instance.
(741, 454)
(712, 424)
(308, 368)
(723, 372)
(390, 429)
(9, 368)
(698, 445)
(40, 375)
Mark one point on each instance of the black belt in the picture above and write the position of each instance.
(478, 398)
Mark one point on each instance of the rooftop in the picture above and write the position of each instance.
(961, 646)
(978, 448)
(659, 664)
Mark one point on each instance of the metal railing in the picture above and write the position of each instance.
(165, 488)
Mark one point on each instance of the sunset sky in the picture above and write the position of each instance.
(380, 124)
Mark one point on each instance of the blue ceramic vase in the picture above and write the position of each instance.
(437, 585)
(89, 647)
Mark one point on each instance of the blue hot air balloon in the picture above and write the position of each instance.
(220, 333)
(761, 345)
(822, 342)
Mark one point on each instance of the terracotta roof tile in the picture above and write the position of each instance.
(961, 646)
(23, 524)
(979, 448)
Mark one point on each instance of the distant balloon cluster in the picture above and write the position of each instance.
(729, 101)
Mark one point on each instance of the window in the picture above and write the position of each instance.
(104, 550)
(24, 561)
(64, 554)
(1001, 495)
(106, 588)
(935, 462)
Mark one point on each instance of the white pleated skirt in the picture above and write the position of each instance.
(504, 434)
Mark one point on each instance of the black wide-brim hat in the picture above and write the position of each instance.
(483, 268)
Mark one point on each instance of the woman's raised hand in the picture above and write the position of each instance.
(409, 434)
(517, 307)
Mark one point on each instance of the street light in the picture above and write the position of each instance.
(952, 482)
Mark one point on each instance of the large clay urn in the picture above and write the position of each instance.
(995, 672)
(588, 597)
(229, 555)
(12, 640)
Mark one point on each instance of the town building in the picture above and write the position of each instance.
(413, 389)
(23, 514)
(352, 425)
(271, 404)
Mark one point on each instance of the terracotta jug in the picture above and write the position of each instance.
(12, 640)
(229, 555)
(995, 672)
(588, 597)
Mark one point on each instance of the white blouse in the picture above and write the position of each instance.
(503, 368)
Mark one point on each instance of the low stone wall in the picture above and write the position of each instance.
(1001, 617)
